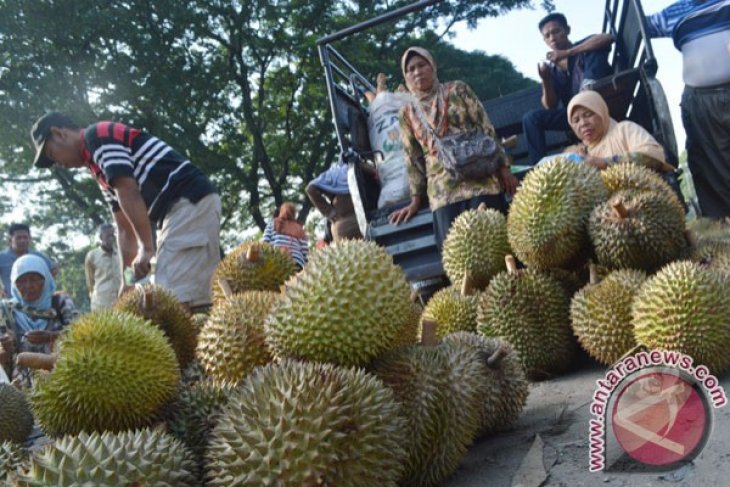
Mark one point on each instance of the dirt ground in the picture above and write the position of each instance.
(558, 410)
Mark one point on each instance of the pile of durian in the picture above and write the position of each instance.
(315, 378)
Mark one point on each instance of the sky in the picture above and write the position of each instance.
(515, 36)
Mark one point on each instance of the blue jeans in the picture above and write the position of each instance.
(536, 123)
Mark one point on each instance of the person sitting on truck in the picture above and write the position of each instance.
(463, 112)
(33, 317)
(570, 67)
(605, 142)
(701, 31)
(330, 194)
(286, 233)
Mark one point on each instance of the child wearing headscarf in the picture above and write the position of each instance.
(444, 109)
(30, 321)
(286, 233)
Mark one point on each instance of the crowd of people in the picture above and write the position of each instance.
(146, 182)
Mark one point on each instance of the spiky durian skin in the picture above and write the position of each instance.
(651, 235)
(166, 312)
(13, 458)
(506, 386)
(232, 342)
(16, 419)
(601, 315)
(713, 254)
(628, 176)
(547, 220)
(268, 272)
(709, 229)
(530, 310)
(114, 372)
(476, 245)
(346, 307)
(440, 389)
(451, 311)
(303, 423)
(686, 308)
(143, 457)
(195, 414)
(409, 333)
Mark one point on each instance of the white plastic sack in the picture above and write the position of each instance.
(384, 127)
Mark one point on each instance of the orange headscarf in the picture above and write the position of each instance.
(286, 223)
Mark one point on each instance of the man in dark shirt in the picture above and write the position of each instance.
(569, 68)
(145, 181)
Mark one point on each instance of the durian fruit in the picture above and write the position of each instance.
(627, 176)
(304, 423)
(114, 372)
(16, 420)
(13, 458)
(713, 254)
(571, 281)
(451, 310)
(144, 457)
(252, 266)
(686, 307)
(346, 307)
(161, 307)
(440, 389)
(199, 320)
(195, 414)
(408, 332)
(232, 342)
(476, 245)
(530, 310)
(506, 385)
(601, 315)
(637, 231)
(547, 220)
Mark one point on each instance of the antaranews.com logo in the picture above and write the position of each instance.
(652, 412)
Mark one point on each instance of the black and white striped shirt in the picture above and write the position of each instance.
(115, 150)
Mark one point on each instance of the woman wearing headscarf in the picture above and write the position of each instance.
(444, 109)
(286, 233)
(31, 320)
(605, 142)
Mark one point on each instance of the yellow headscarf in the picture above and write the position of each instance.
(618, 138)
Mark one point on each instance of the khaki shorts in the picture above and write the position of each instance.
(188, 249)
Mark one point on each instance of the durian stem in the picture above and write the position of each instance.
(593, 273)
(620, 209)
(225, 287)
(252, 254)
(511, 263)
(428, 332)
(482, 206)
(467, 285)
(36, 361)
(148, 300)
(496, 358)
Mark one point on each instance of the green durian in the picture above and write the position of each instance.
(346, 307)
(114, 372)
(304, 423)
(16, 419)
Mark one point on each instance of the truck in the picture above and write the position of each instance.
(632, 92)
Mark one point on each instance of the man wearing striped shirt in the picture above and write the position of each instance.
(145, 182)
(700, 29)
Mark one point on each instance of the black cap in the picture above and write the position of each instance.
(42, 130)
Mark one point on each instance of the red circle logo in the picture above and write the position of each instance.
(660, 419)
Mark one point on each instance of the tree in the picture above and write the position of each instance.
(235, 85)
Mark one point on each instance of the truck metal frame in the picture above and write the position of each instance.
(632, 92)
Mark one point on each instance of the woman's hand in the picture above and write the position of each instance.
(40, 337)
(405, 214)
(507, 181)
(596, 162)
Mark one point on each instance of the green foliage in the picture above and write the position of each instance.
(237, 86)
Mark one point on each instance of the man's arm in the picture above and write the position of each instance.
(136, 226)
(317, 197)
(89, 269)
(549, 98)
